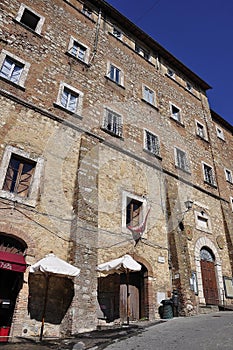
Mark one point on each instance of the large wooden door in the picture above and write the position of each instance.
(134, 296)
(210, 288)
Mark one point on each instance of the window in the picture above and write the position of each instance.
(113, 123)
(209, 174)
(151, 142)
(202, 221)
(175, 113)
(189, 86)
(148, 95)
(133, 210)
(13, 68)
(142, 52)
(86, 11)
(29, 18)
(115, 74)
(20, 176)
(201, 132)
(69, 99)
(181, 159)
(228, 175)
(231, 203)
(220, 133)
(117, 33)
(78, 50)
(170, 73)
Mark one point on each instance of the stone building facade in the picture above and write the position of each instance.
(101, 128)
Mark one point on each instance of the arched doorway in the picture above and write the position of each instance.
(12, 268)
(210, 288)
(112, 296)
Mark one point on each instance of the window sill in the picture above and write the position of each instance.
(177, 122)
(152, 154)
(199, 228)
(28, 28)
(14, 198)
(150, 104)
(210, 184)
(67, 111)
(112, 133)
(18, 86)
(184, 170)
(229, 182)
(222, 139)
(202, 138)
(77, 59)
(113, 81)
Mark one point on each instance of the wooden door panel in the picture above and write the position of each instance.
(210, 288)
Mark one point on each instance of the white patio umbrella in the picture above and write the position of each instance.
(125, 264)
(52, 265)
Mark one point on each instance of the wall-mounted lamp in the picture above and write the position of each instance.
(188, 204)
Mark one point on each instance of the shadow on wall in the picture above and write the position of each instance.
(59, 298)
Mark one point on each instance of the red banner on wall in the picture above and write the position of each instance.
(12, 262)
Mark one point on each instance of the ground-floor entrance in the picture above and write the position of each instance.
(113, 299)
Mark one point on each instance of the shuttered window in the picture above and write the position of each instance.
(11, 69)
(209, 174)
(19, 175)
(133, 212)
(181, 160)
(113, 123)
(78, 51)
(69, 100)
(151, 143)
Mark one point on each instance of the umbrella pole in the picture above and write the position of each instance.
(44, 308)
(128, 295)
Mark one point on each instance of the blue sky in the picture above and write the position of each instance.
(199, 33)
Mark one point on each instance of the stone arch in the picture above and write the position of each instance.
(17, 233)
(206, 242)
(145, 263)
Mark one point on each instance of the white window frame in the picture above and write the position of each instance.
(40, 23)
(220, 133)
(178, 152)
(148, 95)
(231, 202)
(173, 115)
(113, 78)
(78, 109)
(201, 215)
(25, 66)
(31, 199)
(142, 52)
(117, 126)
(213, 182)
(228, 175)
(117, 33)
(87, 11)
(71, 44)
(171, 73)
(155, 149)
(204, 136)
(125, 195)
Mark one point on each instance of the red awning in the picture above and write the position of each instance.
(12, 262)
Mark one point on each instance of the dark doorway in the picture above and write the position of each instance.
(112, 296)
(209, 282)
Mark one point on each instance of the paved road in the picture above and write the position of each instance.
(204, 332)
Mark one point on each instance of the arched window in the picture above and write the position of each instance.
(207, 255)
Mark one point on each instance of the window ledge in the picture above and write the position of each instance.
(12, 83)
(199, 228)
(210, 184)
(177, 122)
(28, 28)
(184, 170)
(229, 182)
(77, 59)
(202, 138)
(152, 154)
(67, 111)
(113, 81)
(22, 200)
(112, 133)
(150, 104)
(220, 138)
